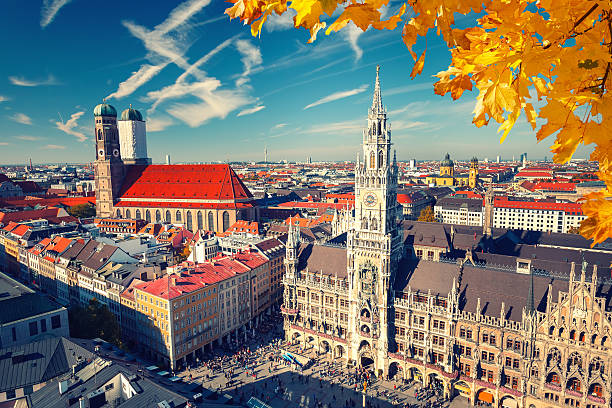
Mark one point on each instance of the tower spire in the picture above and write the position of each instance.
(377, 99)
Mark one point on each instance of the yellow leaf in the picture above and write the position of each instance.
(508, 124)
(409, 36)
(361, 14)
(391, 23)
(418, 66)
(531, 115)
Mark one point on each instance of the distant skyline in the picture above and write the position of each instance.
(211, 92)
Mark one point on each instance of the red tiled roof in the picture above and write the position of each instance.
(28, 214)
(188, 181)
(173, 286)
(20, 230)
(251, 259)
(162, 204)
(555, 186)
(534, 174)
(49, 202)
(309, 204)
(503, 202)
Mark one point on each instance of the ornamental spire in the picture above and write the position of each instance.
(377, 106)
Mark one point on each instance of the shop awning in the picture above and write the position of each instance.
(463, 388)
(485, 396)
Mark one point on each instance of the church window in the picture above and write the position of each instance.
(157, 216)
(225, 220)
(118, 214)
(138, 215)
(364, 223)
(168, 217)
(380, 158)
(199, 220)
(178, 216)
(148, 216)
(211, 221)
(189, 225)
(372, 160)
(127, 214)
(582, 337)
(374, 225)
(99, 134)
(574, 361)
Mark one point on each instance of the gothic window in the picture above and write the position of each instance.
(127, 214)
(225, 220)
(553, 378)
(100, 134)
(551, 331)
(199, 218)
(597, 366)
(138, 215)
(380, 158)
(374, 225)
(372, 160)
(582, 337)
(148, 216)
(189, 225)
(573, 335)
(157, 216)
(596, 390)
(178, 216)
(593, 339)
(364, 223)
(168, 217)
(604, 341)
(553, 358)
(211, 221)
(534, 371)
(118, 214)
(573, 384)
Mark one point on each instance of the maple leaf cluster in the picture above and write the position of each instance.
(556, 51)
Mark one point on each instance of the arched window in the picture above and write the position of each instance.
(551, 331)
(573, 335)
(99, 134)
(596, 390)
(157, 216)
(573, 384)
(575, 360)
(374, 225)
(469, 333)
(364, 223)
(148, 216)
(168, 218)
(211, 221)
(127, 214)
(225, 220)
(553, 358)
(380, 159)
(199, 218)
(372, 160)
(582, 337)
(534, 371)
(118, 214)
(597, 366)
(178, 216)
(188, 216)
(138, 215)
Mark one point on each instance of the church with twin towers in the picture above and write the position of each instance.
(381, 296)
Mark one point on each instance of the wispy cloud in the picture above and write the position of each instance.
(49, 11)
(70, 125)
(21, 118)
(4, 143)
(157, 124)
(53, 147)
(3, 98)
(280, 23)
(28, 138)
(337, 95)
(351, 34)
(349, 126)
(137, 79)
(251, 57)
(250, 111)
(279, 126)
(21, 81)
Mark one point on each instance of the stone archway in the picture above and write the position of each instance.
(338, 351)
(395, 371)
(508, 402)
(436, 383)
(416, 374)
(485, 396)
(324, 347)
(463, 389)
(366, 360)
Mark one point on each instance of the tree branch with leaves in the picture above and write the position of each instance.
(556, 51)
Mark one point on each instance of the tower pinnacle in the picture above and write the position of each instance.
(377, 106)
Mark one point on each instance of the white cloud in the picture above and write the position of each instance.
(337, 95)
(251, 57)
(21, 118)
(53, 147)
(279, 126)
(4, 143)
(250, 111)
(351, 34)
(70, 125)
(138, 78)
(21, 81)
(3, 98)
(49, 11)
(28, 138)
(280, 23)
(158, 124)
(350, 126)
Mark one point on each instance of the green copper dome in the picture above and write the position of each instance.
(104, 109)
(131, 114)
(447, 162)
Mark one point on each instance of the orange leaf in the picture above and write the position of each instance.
(418, 66)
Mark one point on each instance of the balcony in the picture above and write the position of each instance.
(288, 311)
(554, 387)
(596, 399)
(366, 319)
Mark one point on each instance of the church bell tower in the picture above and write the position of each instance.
(108, 166)
(373, 241)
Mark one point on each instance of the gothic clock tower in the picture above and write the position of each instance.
(108, 166)
(373, 242)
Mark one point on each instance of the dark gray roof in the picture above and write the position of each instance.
(329, 260)
(38, 362)
(148, 393)
(425, 233)
(422, 275)
(100, 256)
(19, 302)
(453, 203)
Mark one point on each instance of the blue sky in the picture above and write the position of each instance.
(211, 92)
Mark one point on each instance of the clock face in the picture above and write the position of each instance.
(101, 153)
(116, 153)
(370, 199)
